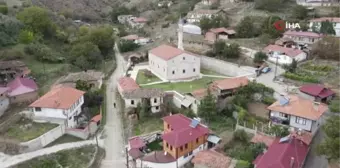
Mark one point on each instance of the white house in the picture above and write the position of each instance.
(136, 39)
(284, 55)
(209, 2)
(173, 64)
(4, 100)
(303, 38)
(317, 24)
(60, 105)
(133, 94)
(297, 112)
(196, 15)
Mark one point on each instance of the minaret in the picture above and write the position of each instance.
(180, 34)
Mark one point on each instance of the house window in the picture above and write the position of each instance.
(173, 72)
(132, 102)
(38, 109)
(183, 58)
(170, 147)
(168, 126)
(69, 118)
(300, 120)
(194, 70)
(181, 148)
(155, 100)
(157, 107)
(183, 70)
(186, 146)
(282, 115)
(167, 145)
(196, 140)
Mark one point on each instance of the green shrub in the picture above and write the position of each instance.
(42, 52)
(240, 135)
(26, 36)
(300, 77)
(279, 131)
(127, 45)
(335, 106)
(3, 9)
(313, 67)
(242, 164)
(268, 100)
(11, 54)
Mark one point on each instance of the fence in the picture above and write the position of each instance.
(252, 128)
(44, 139)
(226, 68)
(83, 133)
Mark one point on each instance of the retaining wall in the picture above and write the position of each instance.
(83, 133)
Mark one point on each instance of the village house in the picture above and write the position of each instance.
(21, 90)
(316, 23)
(312, 3)
(165, 3)
(196, 15)
(60, 105)
(299, 113)
(284, 55)
(209, 2)
(198, 95)
(287, 152)
(303, 38)
(221, 33)
(136, 39)
(228, 86)
(93, 78)
(211, 159)
(316, 92)
(173, 64)
(285, 42)
(9, 70)
(132, 21)
(133, 94)
(4, 100)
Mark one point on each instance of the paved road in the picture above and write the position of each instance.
(113, 130)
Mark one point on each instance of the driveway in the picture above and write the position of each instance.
(114, 136)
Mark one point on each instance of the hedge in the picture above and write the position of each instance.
(300, 77)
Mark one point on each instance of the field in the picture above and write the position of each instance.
(185, 87)
(148, 125)
(145, 76)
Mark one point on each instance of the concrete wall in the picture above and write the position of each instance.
(158, 66)
(83, 133)
(184, 66)
(284, 59)
(4, 103)
(307, 126)
(225, 68)
(44, 139)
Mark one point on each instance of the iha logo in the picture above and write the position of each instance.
(281, 25)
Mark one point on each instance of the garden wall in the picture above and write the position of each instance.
(83, 133)
(44, 139)
(225, 68)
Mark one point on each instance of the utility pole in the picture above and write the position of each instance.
(275, 68)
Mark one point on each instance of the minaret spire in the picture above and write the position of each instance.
(180, 34)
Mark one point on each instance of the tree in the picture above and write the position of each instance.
(300, 12)
(260, 57)
(279, 131)
(119, 11)
(269, 5)
(332, 142)
(26, 36)
(127, 45)
(240, 135)
(291, 67)
(335, 106)
(327, 28)
(103, 37)
(82, 85)
(35, 19)
(327, 48)
(268, 26)
(10, 28)
(246, 28)
(207, 108)
(213, 22)
(144, 109)
(232, 51)
(85, 55)
(218, 47)
(3, 9)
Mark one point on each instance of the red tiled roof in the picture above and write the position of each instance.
(291, 52)
(21, 86)
(316, 90)
(279, 155)
(3, 89)
(199, 93)
(261, 138)
(300, 107)
(97, 118)
(322, 19)
(166, 52)
(59, 98)
(211, 159)
(222, 29)
(181, 132)
(231, 83)
(127, 84)
(159, 157)
(135, 153)
(131, 37)
(302, 33)
(136, 142)
(140, 20)
(304, 136)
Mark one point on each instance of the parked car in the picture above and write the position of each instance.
(266, 70)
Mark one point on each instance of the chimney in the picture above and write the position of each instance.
(292, 162)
